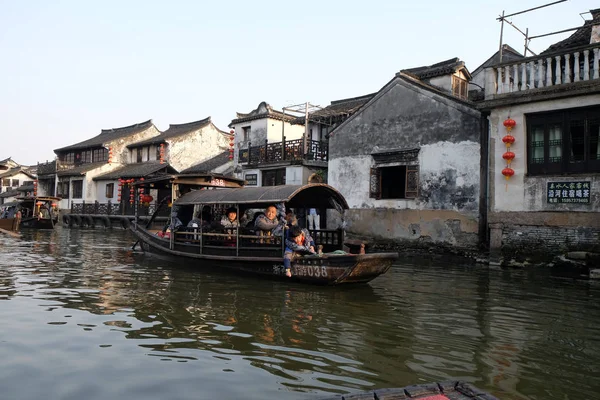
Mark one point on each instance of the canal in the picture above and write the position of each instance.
(84, 316)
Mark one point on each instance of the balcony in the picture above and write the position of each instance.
(288, 151)
(559, 70)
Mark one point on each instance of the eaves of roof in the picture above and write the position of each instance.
(108, 135)
(174, 130)
(136, 170)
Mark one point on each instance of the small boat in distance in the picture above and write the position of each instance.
(38, 212)
(243, 250)
(10, 217)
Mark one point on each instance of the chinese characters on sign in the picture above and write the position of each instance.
(251, 179)
(569, 192)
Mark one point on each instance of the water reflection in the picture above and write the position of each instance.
(163, 328)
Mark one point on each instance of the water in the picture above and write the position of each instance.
(83, 316)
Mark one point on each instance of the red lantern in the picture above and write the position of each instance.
(508, 172)
(509, 123)
(508, 140)
(508, 156)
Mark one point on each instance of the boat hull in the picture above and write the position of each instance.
(9, 224)
(327, 269)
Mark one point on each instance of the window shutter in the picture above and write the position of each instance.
(375, 184)
(412, 181)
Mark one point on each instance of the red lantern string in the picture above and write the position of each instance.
(508, 156)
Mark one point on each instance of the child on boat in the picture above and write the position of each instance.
(296, 244)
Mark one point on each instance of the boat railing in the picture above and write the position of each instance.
(330, 239)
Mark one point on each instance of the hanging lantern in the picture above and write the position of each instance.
(508, 140)
(508, 156)
(508, 172)
(231, 143)
(509, 123)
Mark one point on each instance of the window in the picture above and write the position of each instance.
(5, 182)
(139, 154)
(15, 182)
(86, 156)
(77, 189)
(110, 190)
(62, 189)
(273, 177)
(397, 182)
(246, 133)
(100, 155)
(564, 142)
(459, 87)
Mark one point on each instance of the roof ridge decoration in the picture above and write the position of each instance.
(263, 110)
(173, 131)
(190, 125)
(446, 67)
(134, 127)
(108, 135)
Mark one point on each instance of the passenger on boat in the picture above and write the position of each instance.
(296, 244)
(291, 220)
(267, 224)
(229, 220)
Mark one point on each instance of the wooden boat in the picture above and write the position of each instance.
(243, 250)
(10, 217)
(448, 390)
(38, 212)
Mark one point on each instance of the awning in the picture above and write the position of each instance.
(317, 195)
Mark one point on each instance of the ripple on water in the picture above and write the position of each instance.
(88, 307)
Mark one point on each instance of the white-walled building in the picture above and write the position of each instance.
(547, 199)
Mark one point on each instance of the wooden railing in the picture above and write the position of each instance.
(110, 208)
(548, 70)
(290, 150)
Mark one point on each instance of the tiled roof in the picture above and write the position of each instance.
(15, 171)
(209, 165)
(80, 170)
(10, 193)
(338, 108)
(508, 54)
(137, 170)
(25, 188)
(442, 68)
(264, 110)
(108, 135)
(173, 131)
(46, 168)
(581, 37)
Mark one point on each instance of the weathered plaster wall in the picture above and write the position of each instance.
(404, 116)
(121, 153)
(291, 132)
(195, 147)
(527, 193)
(447, 132)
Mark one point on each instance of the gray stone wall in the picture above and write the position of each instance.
(547, 241)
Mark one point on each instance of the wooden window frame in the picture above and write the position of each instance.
(110, 190)
(411, 182)
(565, 119)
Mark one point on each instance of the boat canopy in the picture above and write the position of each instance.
(317, 195)
(204, 180)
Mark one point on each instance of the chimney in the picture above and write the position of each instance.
(595, 36)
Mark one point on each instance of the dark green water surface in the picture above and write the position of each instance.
(84, 317)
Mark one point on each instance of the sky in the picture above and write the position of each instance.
(69, 69)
